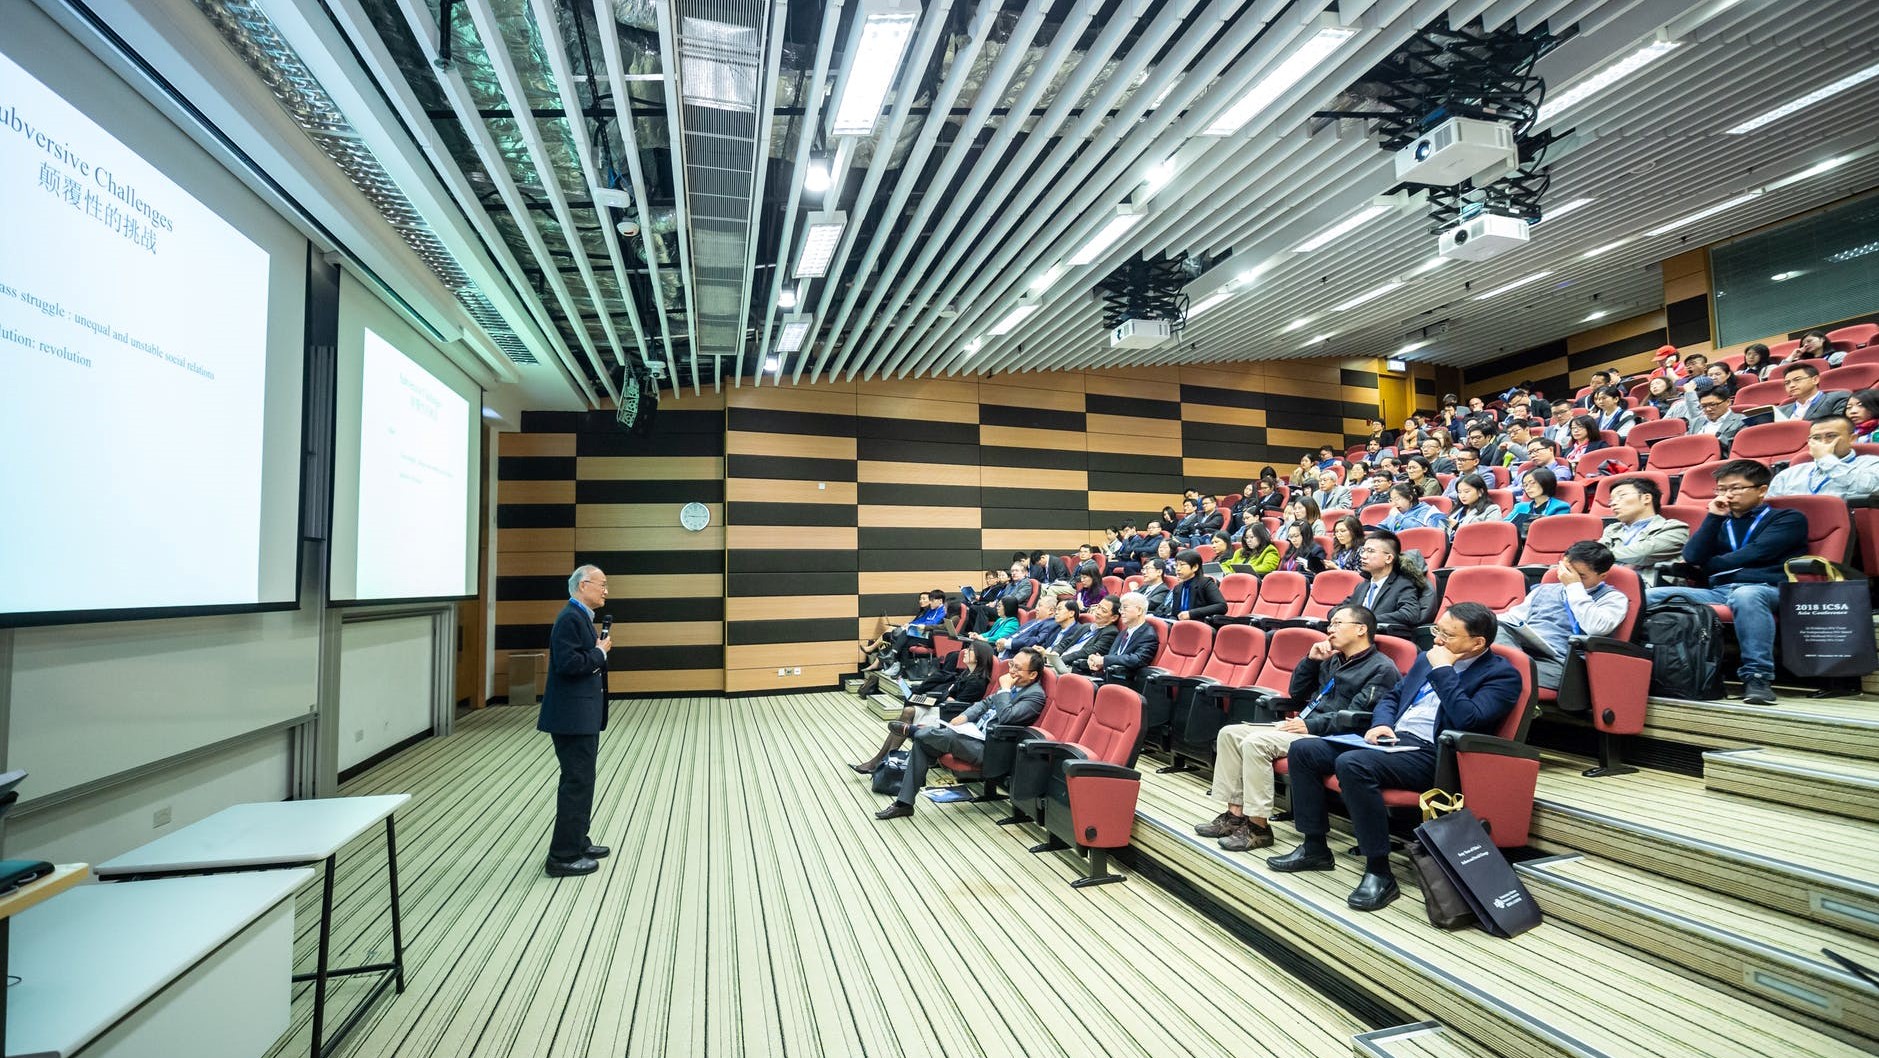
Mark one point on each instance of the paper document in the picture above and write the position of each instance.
(1531, 640)
(1358, 741)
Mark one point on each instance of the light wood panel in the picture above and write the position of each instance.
(650, 539)
(665, 681)
(535, 540)
(638, 515)
(1061, 381)
(780, 490)
(912, 584)
(892, 473)
(1029, 478)
(825, 398)
(788, 607)
(536, 444)
(1025, 437)
(788, 655)
(911, 517)
(1057, 541)
(1016, 395)
(815, 538)
(1126, 428)
(798, 445)
(1220, 468)
(954, 390)
(648, 468)
(1223, 414)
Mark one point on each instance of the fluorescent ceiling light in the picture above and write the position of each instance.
(1015, 317)
(1521, 282)
(773, 364)
(822, 232)
(1047, 279)
(787, 299)
(1853, 252)
(973, 346)
(1412, 347)
(1705, 213)
(1208, 302)
(816, 178)
(873, 63)
(1823, 92)
(1157, 178)
(1815, 170)
(1317, 338)
(1125, 217)
(1341, 228)
(1564, 208)
(1369, 295)
(790, 338)
(1290, 70)
(1595, 314)
(1254, 272)
(1430, 265)
(1604, 79)
(1782, 277)
(1297, 324)
(1598, 251)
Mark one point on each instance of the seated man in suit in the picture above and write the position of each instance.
(1459, 684)
(1018, 700)
(1344, 671)
(1330, 495)
(1135, 648)
(1641, 537)
(1189, 523)
(1042, 629)
(1395, 596)
(1155, 588)
(1707, 409)
(1806, 400)
(1194, 597)
(1086, 640)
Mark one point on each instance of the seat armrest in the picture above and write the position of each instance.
(1014, 733)
(1045, 747)
(1475, 742)
(1608, 645)
(1354, 719)
(950, 712)
(1098, 769)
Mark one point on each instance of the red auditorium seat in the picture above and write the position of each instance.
(1592, 464)
(1401, 652)
(1771, 442)
(1548, 538)
(1112, 585)
(1375, 513)
(1238, 654)
(1132, 582)
(1646, 414)
(1608, 677)
(969, 773)
(1691, 515)
(1781, 349)
(1440, 503)
(1254, 700)
(1698, 485)
(1760, 394)
(1572, 492)
(1496, 587)
(1866, 355)
(1282, 596)
(1829, 524)
(1850, 377)
(1859, 334)
(1066, 713)
(1328, 589)
(1484, 544)
(1359, 494)
(1503, 498)
(1647, 434)
(1184, 652)
(1090, 799)
(1601, 497)
(1674, 455)
(1432, 542)
(1497, 773)
(1241, 591)
(1205, 551)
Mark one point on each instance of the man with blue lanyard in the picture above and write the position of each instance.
(1581, 604)
(1833, 469)
(1344, 671)
(1741, 546)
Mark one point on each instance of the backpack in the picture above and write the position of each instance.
(1686, 650)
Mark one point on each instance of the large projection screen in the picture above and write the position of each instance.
(151, 330)
(406, 457)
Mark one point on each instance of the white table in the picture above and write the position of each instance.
(275, 834)
(177, 966)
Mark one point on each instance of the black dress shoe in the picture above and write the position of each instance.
(569, 868)
(1373, 893)
(897, 810)
(597, 852)
(1302, 859)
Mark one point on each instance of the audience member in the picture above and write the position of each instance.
(1254, 554)
(1755, 361)
(1331, 495)
(1195, 597)
(1048, 567)
(1740, 547)
(1514, 450)
(1267, 497)
(1019, 700)
(1419, 475)
(1347, 540)
(1806, 400)
(1814, 347)
(1303, 511)
(1344, 671)
(1581, 604)
(1431, 453)
(1135, 648)
(1584, 439)
(1862, 409)
(1088, 585)
(1467, 461)
(1834, 468)
(964, 685)
(1611, 413)
(1668, 366)
(1712, 413)
(1545, 456)
(1538, 486)
(1303, 554)
(1458, 684)
(1407, 511)
(1661, 393)
(1391, 588)
(1473, 504)
(1155, 589)
(1642, 538)
(1006, 625)
(1041, 629)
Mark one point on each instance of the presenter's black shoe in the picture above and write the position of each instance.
(1374, 893)
(897, 810)
(569, 868)
(1757, 690)
(1302, 859)
(597, 852)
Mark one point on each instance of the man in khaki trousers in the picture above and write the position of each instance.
(1345, 671)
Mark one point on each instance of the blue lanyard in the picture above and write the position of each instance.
(1814, 487)
(1318, 697)
(1729, 527)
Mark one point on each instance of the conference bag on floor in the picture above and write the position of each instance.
(1462, 851)
(1826, 625)
(1444, 904)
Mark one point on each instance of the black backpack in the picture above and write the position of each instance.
(1686, 650)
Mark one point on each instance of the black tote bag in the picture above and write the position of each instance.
(1826, 625)
(1462, 850)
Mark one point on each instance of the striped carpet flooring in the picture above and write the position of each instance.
(754, 907)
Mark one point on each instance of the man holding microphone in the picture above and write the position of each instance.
(574, 712)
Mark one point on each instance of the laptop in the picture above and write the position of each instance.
(1213, 569)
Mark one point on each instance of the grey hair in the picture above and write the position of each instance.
(579, 577)
(1135, 597)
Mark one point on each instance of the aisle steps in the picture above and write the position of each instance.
(1424, 1039)
(1850, 726)
(1817, 782)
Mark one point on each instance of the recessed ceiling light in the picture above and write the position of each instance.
(1307, 58)
(1412, 347)
(787, 299)
(1297, 324)
(1564, 208)
(1013, 318)
(1515, 284)
(1823, 92)
(881, 44)
(1367, 296)
(1341, 228)
(1782, 277)
(773, 363)
(1705, 213)
(1604, 79)
(822, 232)
(790, 338)
(1598, 251)
(1125, 216)
(1595, 314)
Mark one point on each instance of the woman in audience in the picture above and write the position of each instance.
(964, 685)
(1166, 550)
(1420, 477)
(1755, 360)
(1266, 498)
(1538, 487)
(1089, 585)
(1583, 434)
(1473, 504)
(1169, 519)
(1112, 541)
(1662, 394)
(1305, 474)
(1007, 622)
(1720, 374)
(1814, 347)
(1255, 554)
(1863, 408)
(1407, 511)
(1303, 510)
(1303, 554)
(1347, 538)
(1611, 411)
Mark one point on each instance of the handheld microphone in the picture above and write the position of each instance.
(606, 626)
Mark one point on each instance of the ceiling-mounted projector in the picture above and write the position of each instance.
(1459, 149)
(1140, 334)
(1482, 236)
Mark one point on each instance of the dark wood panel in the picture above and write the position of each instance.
(806, 630)
(786, 467)
(791, 514)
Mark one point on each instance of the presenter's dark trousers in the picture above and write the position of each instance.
(1362, 775)
(930, 743)
(574, 800)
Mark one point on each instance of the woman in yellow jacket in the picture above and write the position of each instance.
(1255, 554)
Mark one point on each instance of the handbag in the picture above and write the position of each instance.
(889, 773)
(1444, 904)
(1826, 625)
(1459, 846)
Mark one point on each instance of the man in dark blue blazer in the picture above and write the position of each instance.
(1459, 684)
(1135, 647)
(574, 712)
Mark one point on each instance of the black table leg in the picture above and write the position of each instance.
(319, 973)
(6, 946)
(397, 928)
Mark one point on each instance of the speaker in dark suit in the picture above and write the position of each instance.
(573, 713)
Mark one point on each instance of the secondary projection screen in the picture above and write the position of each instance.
(150, 366)
(405, 469)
